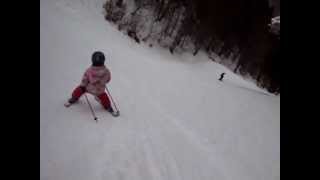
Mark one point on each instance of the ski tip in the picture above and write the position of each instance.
(67, 104)
(116, 114)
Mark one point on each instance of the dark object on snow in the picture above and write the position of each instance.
(171, 50)
(221, 76)
(98, 58)
(212, 58)
(133, 35)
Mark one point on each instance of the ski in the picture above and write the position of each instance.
(67, 104)
(115, 114)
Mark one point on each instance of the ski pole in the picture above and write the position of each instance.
(112, 100)
(93, 114)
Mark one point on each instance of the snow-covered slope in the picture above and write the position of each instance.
(178, 122)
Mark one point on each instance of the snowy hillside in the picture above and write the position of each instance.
(177, 122)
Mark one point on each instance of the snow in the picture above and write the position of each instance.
(177, 120)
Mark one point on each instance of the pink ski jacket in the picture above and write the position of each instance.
(95, 79)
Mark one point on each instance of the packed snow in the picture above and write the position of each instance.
(177, 122)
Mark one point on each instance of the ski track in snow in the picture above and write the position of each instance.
(177, 120)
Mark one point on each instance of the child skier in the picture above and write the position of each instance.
(94, 81)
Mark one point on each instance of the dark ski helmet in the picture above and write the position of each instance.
(98, 58)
